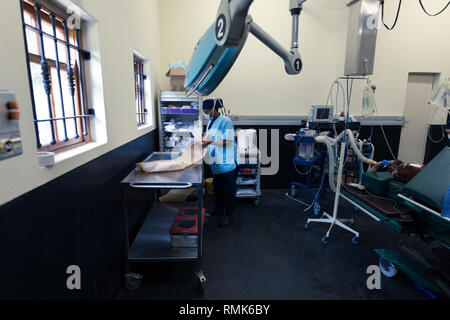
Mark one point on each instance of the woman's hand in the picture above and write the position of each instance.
(219, 143)
(206, 143)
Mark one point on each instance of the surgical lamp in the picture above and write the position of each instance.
(222, 43)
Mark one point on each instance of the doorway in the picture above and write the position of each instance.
(417, 117)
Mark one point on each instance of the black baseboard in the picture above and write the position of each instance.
(75, 219)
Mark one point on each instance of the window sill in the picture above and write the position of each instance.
(144, 126)
(66, 155)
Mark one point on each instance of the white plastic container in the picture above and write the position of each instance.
(247, 139)
(46, 159)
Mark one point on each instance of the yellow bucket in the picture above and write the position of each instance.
(209, 186)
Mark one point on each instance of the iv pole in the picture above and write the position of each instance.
(326, 218)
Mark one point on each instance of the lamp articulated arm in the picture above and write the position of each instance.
(233, 19)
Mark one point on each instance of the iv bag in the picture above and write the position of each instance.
(441, 96)
(368, 104)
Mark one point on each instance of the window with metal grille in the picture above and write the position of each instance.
(140, 78)
(56, 73)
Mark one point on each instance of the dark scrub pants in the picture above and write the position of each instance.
(225, 191)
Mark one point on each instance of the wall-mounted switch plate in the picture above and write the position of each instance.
(10, 139)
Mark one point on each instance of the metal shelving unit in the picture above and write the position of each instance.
(179, 120)
(153, 242)
(249, 175)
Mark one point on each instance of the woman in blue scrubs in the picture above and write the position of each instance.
(222, 151)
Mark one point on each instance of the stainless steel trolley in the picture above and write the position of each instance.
(153, 242)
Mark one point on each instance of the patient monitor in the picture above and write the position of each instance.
(322, 114)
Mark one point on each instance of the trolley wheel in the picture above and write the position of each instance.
(201, 287)
(317, 209)
(324, 241)
(355, 240)
(388, 268)
(133, 281)
(257, 202)
(307, 227)
(201, 282)
(293, 192)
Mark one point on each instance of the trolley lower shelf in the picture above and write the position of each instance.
(153, 240)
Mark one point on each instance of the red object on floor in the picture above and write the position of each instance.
(189, 212)
(186, 221)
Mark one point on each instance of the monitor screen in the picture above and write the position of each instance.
(323, 114)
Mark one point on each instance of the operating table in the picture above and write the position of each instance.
(414, 209)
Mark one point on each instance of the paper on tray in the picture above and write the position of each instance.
(193, 154)
(177, 195)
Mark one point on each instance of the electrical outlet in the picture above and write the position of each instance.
(10, 139)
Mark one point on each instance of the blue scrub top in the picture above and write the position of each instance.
(222, 159)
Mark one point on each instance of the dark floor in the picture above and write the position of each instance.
(267, 254)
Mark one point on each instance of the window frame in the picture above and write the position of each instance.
(140, 79)
(81, 117)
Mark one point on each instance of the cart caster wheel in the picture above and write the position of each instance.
(355, 240)
(387, 268)
(201, 287)
(201, 282)
(293, 192)
(307, 227)
(257, 202)
(317, 209)
(133, 281)
(324, 241)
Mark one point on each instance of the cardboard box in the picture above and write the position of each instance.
(177, 78)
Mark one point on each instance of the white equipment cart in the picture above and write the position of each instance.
(249, 166)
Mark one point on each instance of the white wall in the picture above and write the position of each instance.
(123, 26)
(258, 85)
